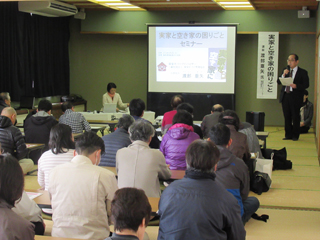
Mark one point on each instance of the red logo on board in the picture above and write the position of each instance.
(162, 67)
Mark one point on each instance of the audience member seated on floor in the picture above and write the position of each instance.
(5, 100)
(37, 127)
(177, 139)
(131, 212)
(61, 151)
(306, 114)
(75, 120)
(252, 139)
(12, 226)
(197, 206)
(211, 119)
(189, 108)
(82, 192)
(168, 116)
(239, 146)
(11, 139)
(140, 166)
(116, 140)
(137, 107)
(232, 172)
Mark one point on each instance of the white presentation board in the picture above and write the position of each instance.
(191, 59)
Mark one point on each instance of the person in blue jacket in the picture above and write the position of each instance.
(232, 172)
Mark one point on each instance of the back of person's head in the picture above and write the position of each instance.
(185, 106)
(182, 116)
(176, 100)
(202, 155)
(220, 134)
(8, 112)
(141, 130)
(230, 117)
(125, 122)
(305, 92)
(45, 105)
(217, 108)
(60, 137)
(88, 143)
(66, 105)
(129, 207)
(5, 96)
(111, 85)
(11, 179)
(136, 107)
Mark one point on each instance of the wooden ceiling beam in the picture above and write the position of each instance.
(174, 5)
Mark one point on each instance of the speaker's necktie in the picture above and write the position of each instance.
(288, 87)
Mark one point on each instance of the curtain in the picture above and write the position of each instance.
(34, 53)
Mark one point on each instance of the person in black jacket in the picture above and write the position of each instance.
(291, 97)
(12, 140)
(116, 140)
(197, 206)
(37, 127)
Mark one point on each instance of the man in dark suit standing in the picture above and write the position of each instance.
(291, 97)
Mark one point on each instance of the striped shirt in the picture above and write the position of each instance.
(75, 120)
(48, 161)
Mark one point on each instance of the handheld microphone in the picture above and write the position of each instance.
(288, 67)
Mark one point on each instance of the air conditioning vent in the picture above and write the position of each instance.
(69, 8)
(48, 8)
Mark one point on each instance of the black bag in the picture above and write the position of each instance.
(279, 158)
(260, 182)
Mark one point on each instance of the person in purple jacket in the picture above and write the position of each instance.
(177, 139)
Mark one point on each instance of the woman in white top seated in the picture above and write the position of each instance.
(112, 97)
(61, 151)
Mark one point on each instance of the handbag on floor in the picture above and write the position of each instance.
(261, 180)
(279, 159)
(260, 183)
(265, 165)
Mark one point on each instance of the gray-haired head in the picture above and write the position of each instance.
(141, 130)
(5, 96)
(125, 122)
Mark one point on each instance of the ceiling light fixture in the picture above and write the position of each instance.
(235, 5)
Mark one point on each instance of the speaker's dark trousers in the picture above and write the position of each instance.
(291, 110)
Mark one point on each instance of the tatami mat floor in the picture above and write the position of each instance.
(292, 203)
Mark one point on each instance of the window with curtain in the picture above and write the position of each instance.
(34, 53)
